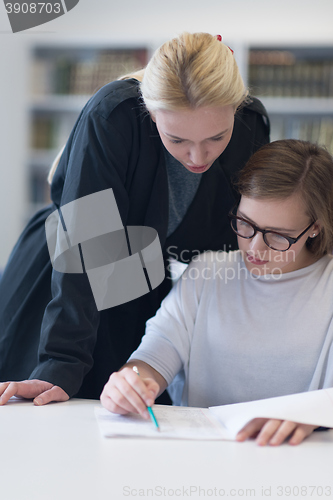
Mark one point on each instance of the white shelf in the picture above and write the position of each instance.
(298, 105)
(58, 103)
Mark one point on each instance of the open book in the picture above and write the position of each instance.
(220, 422)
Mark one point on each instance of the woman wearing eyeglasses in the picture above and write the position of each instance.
(256, 322)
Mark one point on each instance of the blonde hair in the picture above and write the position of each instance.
(190, 71)
(286, 167)
(54, 166)
(137, 75)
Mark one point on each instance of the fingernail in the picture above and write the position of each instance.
(38, 401)
(149, 402)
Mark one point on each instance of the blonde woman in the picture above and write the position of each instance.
(168, 141)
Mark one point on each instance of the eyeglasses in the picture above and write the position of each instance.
(274, 240)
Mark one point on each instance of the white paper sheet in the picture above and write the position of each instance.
(174, 421)
(314, 407)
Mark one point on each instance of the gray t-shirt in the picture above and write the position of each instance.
(183, 186)
(227, 336)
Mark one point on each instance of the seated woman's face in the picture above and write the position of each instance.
(196, 137)
(286, 216)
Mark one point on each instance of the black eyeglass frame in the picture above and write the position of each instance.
(257, 229)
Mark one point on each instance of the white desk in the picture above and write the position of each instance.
(56, 452)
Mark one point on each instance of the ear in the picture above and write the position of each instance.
(152, 116)
(315, 229)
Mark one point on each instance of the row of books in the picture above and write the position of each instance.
(283, 75)
(319, 130)
(50, 131)
(63, 74)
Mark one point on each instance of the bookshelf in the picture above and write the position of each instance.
(294, 83)
(296, 86)
(63, 78)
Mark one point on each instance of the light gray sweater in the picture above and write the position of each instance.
(225, 336)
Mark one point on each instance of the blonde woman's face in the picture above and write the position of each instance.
(196, 137)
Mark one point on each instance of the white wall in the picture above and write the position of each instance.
(301, 22)
(13, 142)
(254, 20)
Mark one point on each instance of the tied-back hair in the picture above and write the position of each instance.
(192, 70)
(286, 167)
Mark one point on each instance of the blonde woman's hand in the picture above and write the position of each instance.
(39, 391)
(275, 432)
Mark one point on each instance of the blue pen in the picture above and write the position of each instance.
(149, 408)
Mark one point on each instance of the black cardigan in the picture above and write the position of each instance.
(50, 328)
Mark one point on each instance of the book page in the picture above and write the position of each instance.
(313, 407)
(174, 421)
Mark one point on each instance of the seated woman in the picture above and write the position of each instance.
(256, 322)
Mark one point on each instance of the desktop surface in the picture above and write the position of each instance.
(57, 452)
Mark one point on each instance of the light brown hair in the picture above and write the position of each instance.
(286, 167)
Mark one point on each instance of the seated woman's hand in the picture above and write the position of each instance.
(275, 432)
(40, 391)
(126, 392)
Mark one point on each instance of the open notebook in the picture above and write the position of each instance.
(220, 422)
